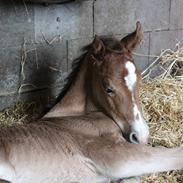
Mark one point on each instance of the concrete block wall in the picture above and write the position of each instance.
(38, 43)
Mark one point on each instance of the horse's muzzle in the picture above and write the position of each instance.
(134, 138)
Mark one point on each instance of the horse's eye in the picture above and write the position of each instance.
(110, 91)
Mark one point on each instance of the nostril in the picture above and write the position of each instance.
(133, 138)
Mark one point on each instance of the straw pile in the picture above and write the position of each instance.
(162, 102)
(20, 113)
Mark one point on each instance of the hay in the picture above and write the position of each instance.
(168, 64)
(162, 103)
(20, 113)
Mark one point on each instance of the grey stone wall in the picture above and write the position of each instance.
(38, 43)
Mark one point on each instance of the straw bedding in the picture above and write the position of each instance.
(162, 103)
(20, 113)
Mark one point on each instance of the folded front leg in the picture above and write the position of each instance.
(119, 160)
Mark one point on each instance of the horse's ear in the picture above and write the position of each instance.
(97, 46)
(132, 40)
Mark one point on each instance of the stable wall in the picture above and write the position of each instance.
(38, 42)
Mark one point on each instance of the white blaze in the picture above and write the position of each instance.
(131, 78)
(138, 124)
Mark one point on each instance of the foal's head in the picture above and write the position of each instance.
(115, 83)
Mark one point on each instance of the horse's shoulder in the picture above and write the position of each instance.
(94, 123)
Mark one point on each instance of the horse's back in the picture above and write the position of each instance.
(55, 150)
(47, 153)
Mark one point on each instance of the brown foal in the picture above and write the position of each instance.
(85, 137)
(108, 81)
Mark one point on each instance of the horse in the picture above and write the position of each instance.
(96, 132)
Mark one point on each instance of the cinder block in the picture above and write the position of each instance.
(45, 66)
(176, 14)
(7, 101)
(75, 48)
(9, 70)
(16, 23)
(45, 98)
(120, 16)
(164, 40)
(70, 21)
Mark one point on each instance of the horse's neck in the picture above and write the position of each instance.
(76, 101)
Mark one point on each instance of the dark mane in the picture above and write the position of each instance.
(110, 43)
